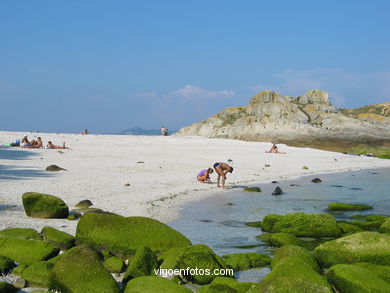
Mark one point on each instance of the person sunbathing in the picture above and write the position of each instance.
(25, 142)
(204, 175)
(50, 145)
(35, 144)
(274, 150)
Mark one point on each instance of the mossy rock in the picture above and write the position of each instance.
(6, 264)
(281, 239)
(57, 237)
(254, 224)
(54, 168)
(83, 211)
(38, 274)
(368, 225)
(370, 217)
(143, 263)
(308, 225)
(269, 221)
(27, 251)
(245, 261)
(199, 257)
(385, 227)
(21, 233)
(252, 189)
(382, 272)
(124, 235)
(292, 274)
(19, 269)
(73, 215)
(80, 270)
(114, 264)
(295, 251)
(86, 203)
(7, 288)
(347, 228)
(151, 284)
(224, 284)
(359, 247)
(39, 205)
(335, 206)
(353, 278)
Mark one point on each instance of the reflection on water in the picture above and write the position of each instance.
(218, 221)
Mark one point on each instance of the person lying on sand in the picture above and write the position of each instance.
(35, 144)
(25, 142)
(204, 175)
(274, 150)
(222, 169)
(50, 145)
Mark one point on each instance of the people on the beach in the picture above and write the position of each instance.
(274, 150)
(85, 132)
(164, 131)
(50, 145)
(222, 169)
(204, 175)
(25, 141)
(34, 144)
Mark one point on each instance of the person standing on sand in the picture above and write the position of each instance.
(164, 131)
(204, 175)
(222, 169)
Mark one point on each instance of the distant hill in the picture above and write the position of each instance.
(140, 131)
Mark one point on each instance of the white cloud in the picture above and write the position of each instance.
(194, 92)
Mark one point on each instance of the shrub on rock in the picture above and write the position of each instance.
(150, 284)
(6, 264)
(124, 235)
(80, 270)
(245, 261)
(335, 206)
(57, 237)
(295, 251)
(143, 263)
(27, 251)
(38, 274)
(39, 205)
(21, 233)
(359, 247)
(353, 278)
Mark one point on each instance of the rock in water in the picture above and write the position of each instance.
(316, 180)
(277, 191)
(39, 205)
(335, 206)
(54, 168)
(245, 261)
(252, 189)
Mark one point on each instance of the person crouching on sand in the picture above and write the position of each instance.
(204, 175)
(222, 169)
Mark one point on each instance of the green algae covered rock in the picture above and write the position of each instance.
(353, 278)
(57, 237)
(245, 261)
(114, 264)
(347, 228)
(80, 270)
(336, 206)
(39, 205)
(368, 225)
(19, 269)
(370, 218)
(7, 288)
(308, 225)
(38, 274)
(27, 251)
(124, 235)
(369, 247)
(254, 224)
(252, 189)
(385, 227)
(21, 233)
(281, 239)
(382, 272)
(6, 264)
(196, 258)
(295, 251)
(224, 284)
(269, 221)
(143, 263)
(292, 274)
(151, 284)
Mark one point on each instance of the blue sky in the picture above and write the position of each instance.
(110, 65)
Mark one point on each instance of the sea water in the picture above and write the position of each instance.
(218, 221)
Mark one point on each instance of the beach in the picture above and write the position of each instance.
(160, 172)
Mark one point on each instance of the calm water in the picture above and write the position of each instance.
(218, 221)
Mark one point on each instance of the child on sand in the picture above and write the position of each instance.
(204, 175)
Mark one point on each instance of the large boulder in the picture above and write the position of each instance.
(21, 233)
(143, 263)
(353, 278)
(245, 261)
(224, 284)
(57, 237)
(39, 205)
(27, 251)
(150, 284)
(38, 274)
(295, 251)
(359, 247)
(124, 235)
(80, 270)
(292, 275)
(198, 263)
(306, 225)
(382, 272)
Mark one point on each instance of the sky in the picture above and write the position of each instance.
(111, 65)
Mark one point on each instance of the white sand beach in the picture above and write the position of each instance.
(161, 172)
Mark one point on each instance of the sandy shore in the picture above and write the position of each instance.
(161, 172)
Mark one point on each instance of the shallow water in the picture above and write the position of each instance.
(218, 221)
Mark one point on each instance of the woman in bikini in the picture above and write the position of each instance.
(222, 169)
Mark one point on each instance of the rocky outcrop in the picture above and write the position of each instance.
(269, 116)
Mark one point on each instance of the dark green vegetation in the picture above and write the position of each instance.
(6, 264)
(21, 233)
(335, 206)
(39, 205)
(223, 284)
(59, 238)
(154, 284)
(245, 261)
